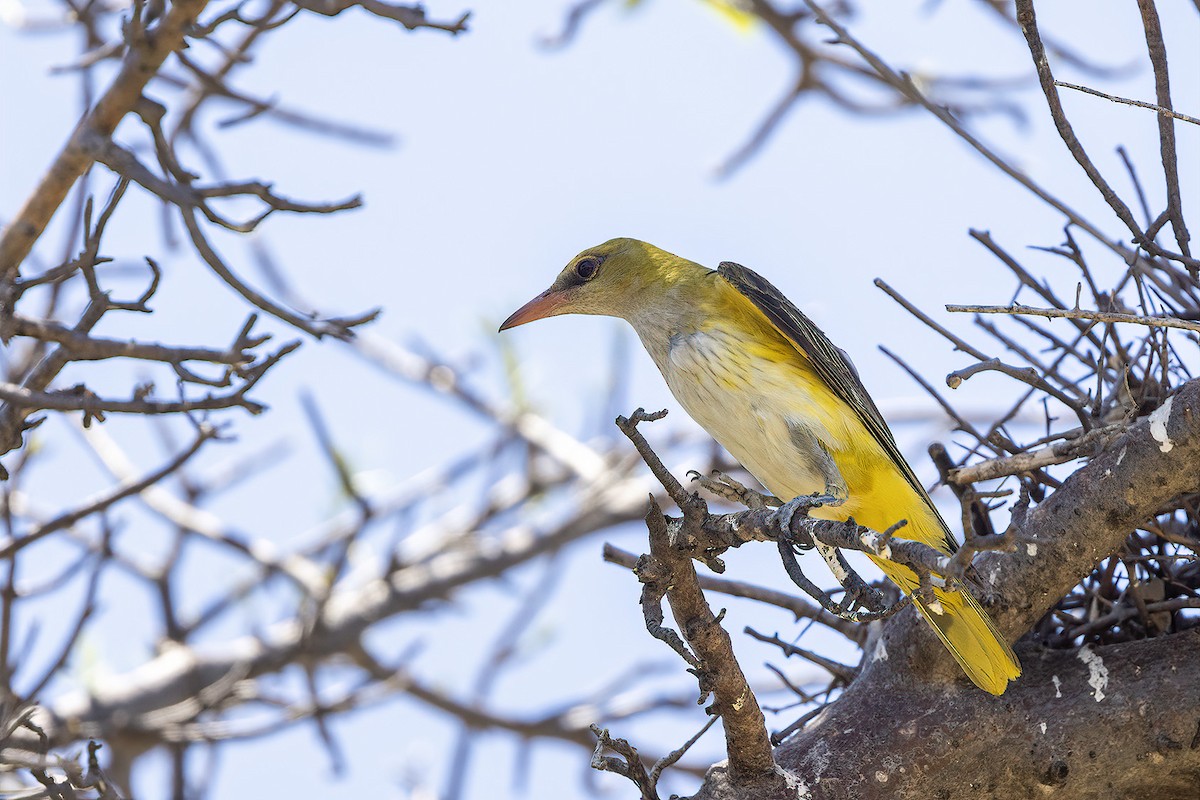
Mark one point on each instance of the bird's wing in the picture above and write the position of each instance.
(830, 363)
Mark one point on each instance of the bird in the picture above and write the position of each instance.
(771, 388)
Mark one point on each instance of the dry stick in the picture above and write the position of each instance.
(746, 740)
(1027, 19)
(1079, 313)
(1027, 375)
(961, 344)
(1166, 129)
(780, 737)
(1059, 453)
(235, 55)
(338, 328)
(142, 61)
(838, 670)
(1061, 346)
(82, 399)
(1139, 103)
(670, 758)
(958, 342)
(183, 194)
(803, 696)
(628, 426)
(1023, 275)
(410, 16)
(1049, 371)
(1124, 613)
(631, 767)
(14, 419)
(960, 421)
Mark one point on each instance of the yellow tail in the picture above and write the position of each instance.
(966, 630)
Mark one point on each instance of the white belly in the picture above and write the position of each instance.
(753, 421)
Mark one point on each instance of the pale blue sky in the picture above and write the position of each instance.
(510, 160)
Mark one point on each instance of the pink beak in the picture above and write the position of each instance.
(546, 304)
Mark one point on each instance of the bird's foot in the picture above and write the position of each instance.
(805, 503)
(719, 484)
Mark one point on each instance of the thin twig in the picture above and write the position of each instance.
(1126, 101)
(1079, 313)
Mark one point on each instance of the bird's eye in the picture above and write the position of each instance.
(587, 267)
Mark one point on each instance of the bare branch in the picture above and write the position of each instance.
(411, 17)
(142, 61)
(1126, 101)
(1082, 445)
(116, 494)
(1079, 313)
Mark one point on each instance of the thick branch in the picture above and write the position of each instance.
(1091, 515)
(1054, 730)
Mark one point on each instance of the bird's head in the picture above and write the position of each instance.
(614, 279)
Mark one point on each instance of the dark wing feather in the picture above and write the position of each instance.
(830, 363)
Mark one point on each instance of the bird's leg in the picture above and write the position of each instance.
(815, 454)
(833, 495)
(725, 487)
(803, 504)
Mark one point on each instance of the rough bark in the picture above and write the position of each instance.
(1102, 723)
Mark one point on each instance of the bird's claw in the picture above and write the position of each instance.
(721, 485)
(805, 503)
